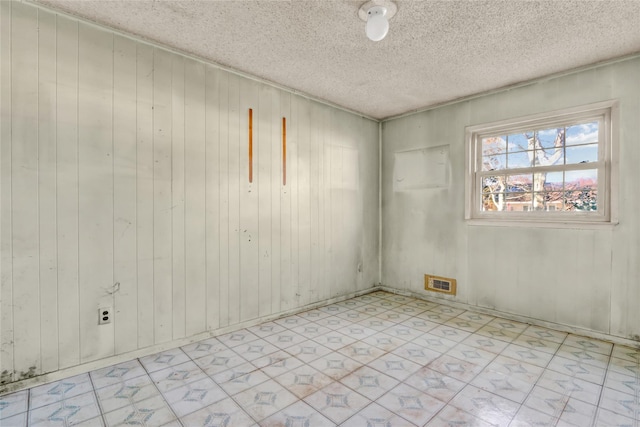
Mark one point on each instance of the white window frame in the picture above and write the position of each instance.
(605, 112)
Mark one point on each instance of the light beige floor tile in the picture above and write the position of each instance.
(303, 381)
(223, 413)
(435, 384)
(369, 382)
(486, 406)
(264, 400)
(337, 402)
(375, 415)
(411, 404)
(298, 414)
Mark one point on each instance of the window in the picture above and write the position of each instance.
(555, 167)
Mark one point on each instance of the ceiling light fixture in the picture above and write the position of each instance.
(377, 15)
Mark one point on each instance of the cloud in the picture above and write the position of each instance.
(582, 138)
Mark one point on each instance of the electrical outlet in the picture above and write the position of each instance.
(104, 315)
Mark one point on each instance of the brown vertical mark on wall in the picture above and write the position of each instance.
(284, 151)
(250, 145)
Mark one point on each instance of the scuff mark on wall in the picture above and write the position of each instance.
(5, 377)
(113, 289)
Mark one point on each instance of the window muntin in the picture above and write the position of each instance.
(548, 168)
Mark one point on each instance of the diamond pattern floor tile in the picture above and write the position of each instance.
(379, 360)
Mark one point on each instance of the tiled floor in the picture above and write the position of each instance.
(376, 360)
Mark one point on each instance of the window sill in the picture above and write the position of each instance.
(577, 225)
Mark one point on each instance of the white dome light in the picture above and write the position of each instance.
(377, 23)
(377, 13)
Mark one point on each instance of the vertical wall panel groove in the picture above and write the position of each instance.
(67, 194)
(213, 197)
(124, 195)
(286, 284)
(304, 192)
(275, 190)
(195, 196)
(178, 251)
(265, 173)
(6, 250)
(236, 144)
(293, 184)
(314, 203)
(162, 206)
(327, 279)
(47, 191)
(225, 175)
(144, 194)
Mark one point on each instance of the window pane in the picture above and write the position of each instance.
(585, 179)
(547, 200)
(517, 183)
(495, 162)
(583, 187)
(582, 134)
(549, 156)
(582, 154)
(520, 159)
(551, 181)
(547, 137)
(553, 200)
(518, 142)
(493, 202)
(493, 184)
(518, 202)
(494, 145)
(581, 201)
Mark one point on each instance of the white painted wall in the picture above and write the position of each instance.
(586, 278)
(124, 183)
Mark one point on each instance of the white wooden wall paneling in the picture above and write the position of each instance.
(225, 178)
(6, 249)
(341, 202)
(95, 153)
(304, 213)
(335, 173)
(248, 197)
(293, 182)
(125, 302)
(235, 147)
(144, 193)
(575, 277)
(67, 192)
(162, 203)
(178, 256)
(195, 196)
(24, 191)
(124, 184)
(213, 197)
(276, 188)
(314, 202)
(286, 282)
(47, 188)
(265, 170)
(325, 194)
(625, 317)
(360, 174)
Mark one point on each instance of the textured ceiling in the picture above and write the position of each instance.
(436, 51)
